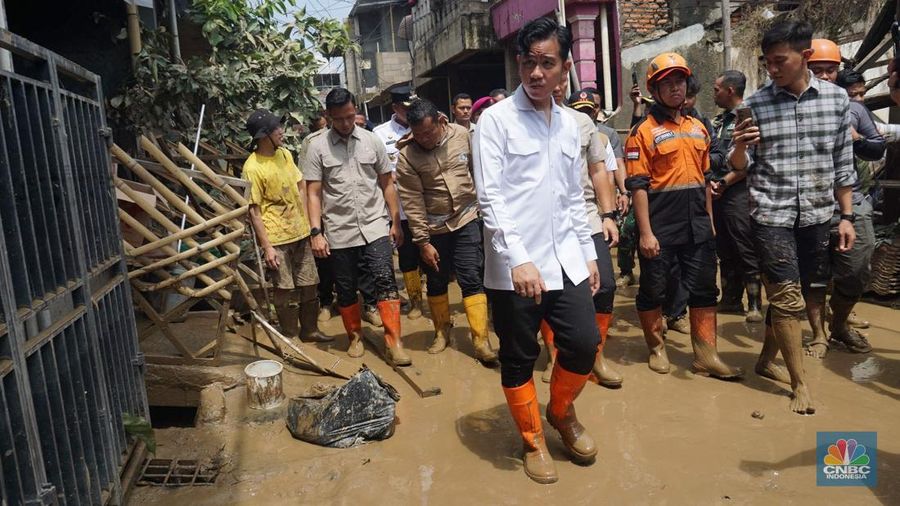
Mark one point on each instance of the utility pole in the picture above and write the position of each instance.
(726, 32)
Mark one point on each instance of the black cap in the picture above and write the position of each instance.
(262, 123)
(402, 94)
(581, 99)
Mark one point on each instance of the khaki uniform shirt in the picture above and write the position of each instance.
(593, 150)
(436, 186)
(353, 206)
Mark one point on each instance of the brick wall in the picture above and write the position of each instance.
(642, 17)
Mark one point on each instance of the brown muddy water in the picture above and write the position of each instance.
(664, 439)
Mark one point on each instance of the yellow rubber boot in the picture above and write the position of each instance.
(440, 315)
(477, 314)
(413, 282)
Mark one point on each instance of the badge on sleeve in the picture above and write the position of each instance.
(632, 153)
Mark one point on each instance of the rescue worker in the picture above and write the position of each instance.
(350, 182)
(408, 256)
(793, 185)
(596, 153)
(667, 157)
(278, 216)
(540, 261)
(850, 270)
(436, 189)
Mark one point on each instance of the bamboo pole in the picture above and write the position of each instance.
(200, 269)
(213, 177)
(191, 231)
(206, 246)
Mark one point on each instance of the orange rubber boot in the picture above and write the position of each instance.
(564, 388)
(390, 315)
(605, 374)
(523, 405)
(352, 319)
(547, 334)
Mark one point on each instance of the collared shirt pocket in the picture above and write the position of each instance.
(367, 159)
(332, 171)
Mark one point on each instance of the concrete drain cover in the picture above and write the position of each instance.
(176, 473)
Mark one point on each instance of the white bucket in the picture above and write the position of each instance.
(264, 389)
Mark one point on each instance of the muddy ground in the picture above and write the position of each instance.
(664, 439)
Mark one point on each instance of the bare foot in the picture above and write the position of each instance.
(801, 401)
(773, 372)
(817, 349)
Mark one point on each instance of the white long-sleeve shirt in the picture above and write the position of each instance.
(528, 180)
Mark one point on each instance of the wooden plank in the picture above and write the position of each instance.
(321, 360)
(418, 379)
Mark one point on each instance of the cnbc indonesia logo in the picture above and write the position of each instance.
(846, 459)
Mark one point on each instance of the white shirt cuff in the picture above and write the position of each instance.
(516, 255)
(589, 252)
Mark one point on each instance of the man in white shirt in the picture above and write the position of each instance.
(540, 260)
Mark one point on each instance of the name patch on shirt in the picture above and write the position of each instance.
(632, 154)
(664, 136)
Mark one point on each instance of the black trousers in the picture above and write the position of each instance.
(734, 234)
(376, 258)
(603, 299)
(570, 313)
(697, 263)
(798, 254)
(461, 251)
(326, 286)
(677, 294)
(408, 253)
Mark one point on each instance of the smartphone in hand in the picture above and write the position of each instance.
(742, 114)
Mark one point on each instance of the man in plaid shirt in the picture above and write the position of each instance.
(798, 155)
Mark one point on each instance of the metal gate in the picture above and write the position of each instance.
(70, 366)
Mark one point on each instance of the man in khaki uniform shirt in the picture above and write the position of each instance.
(349, 182)
(436, 188)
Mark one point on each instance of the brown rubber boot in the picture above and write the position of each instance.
(754, 301)
(309, 317)
(440, 315)
(606, 375)
(547, 334)
(352, 318)
(413, 282)
(523, 405)
(564, 389)
(477, 314)
(394, 353)
(765, 366)
(652, 324)
(703, 339)
(789, 336)
(288, 313)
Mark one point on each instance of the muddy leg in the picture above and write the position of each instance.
(788, 335)
(815, 306)
(766, 366)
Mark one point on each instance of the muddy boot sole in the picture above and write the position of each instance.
(700, 370)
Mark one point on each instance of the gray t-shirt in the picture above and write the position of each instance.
(614, 140)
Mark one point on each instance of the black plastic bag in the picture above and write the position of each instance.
(361, 410)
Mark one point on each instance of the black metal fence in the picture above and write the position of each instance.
(70, 366)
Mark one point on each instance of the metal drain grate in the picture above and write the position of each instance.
(175, 473)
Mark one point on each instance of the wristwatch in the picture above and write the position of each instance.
(849, 217)
(611, 215)
(314, 232)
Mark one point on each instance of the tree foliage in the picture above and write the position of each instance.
(263, 53)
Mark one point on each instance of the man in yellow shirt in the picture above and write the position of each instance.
(279, 219)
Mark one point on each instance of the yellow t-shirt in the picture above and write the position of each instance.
(274, 189)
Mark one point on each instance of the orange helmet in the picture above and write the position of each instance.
(826, 51)
(664, 64)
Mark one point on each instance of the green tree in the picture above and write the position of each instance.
(263, 53)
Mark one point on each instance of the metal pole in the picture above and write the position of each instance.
(187, 198)
(5, 56)
(726, 32)
(604, 55)
(173, 27)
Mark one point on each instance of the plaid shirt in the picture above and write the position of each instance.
(805, 152)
